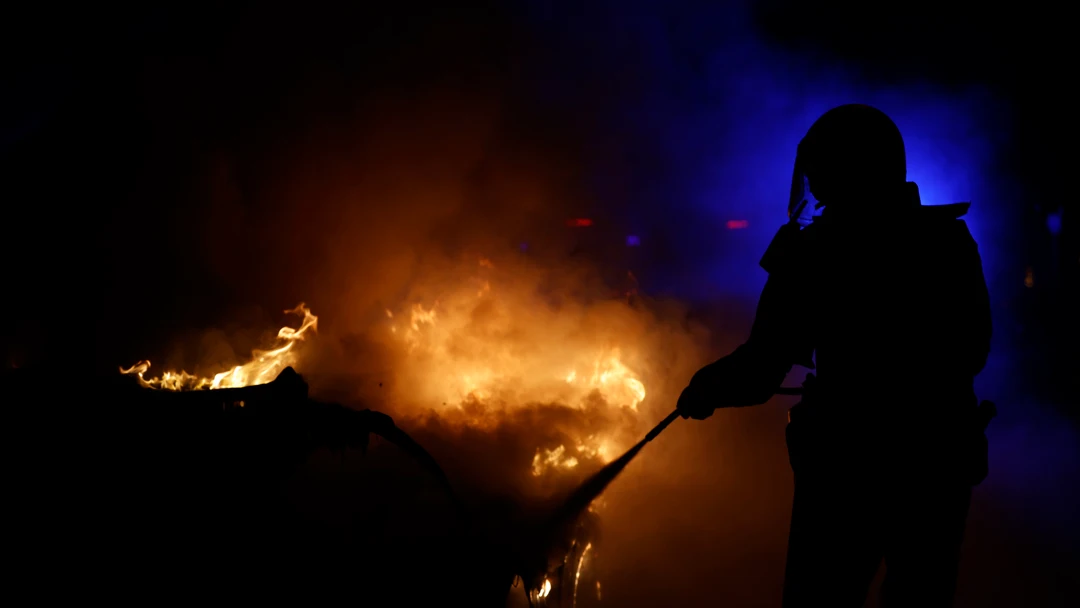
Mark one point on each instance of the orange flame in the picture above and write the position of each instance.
(483, 352)
(491, 348)
(264, 366)
(484, 347)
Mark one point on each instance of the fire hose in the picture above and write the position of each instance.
(659, 428)
(580, 499)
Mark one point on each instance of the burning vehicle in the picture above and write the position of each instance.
(542, 395)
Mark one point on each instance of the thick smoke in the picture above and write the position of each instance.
(440, 205)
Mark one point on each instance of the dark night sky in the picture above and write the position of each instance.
(111, 113)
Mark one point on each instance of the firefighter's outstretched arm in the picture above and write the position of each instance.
(751, 374)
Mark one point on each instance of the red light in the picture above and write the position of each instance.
(579, 222)
(737, 224)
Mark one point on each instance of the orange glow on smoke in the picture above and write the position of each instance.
(483, 344)
(487, 346)
(484, 347)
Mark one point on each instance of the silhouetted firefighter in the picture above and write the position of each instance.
(868, 284)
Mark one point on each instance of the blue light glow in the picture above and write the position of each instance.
(705, 118)
(699, 123)
(1053, 222)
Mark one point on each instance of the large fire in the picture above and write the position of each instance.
(480, 346)
(466, 354)
(489, 346)
(510, 349)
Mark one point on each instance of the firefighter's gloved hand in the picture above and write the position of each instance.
(696, 403)
(728, 382)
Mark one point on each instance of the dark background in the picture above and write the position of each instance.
(142, 146)
(110, 117)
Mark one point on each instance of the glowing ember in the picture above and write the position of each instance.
(265, 365)
(561, 458)
(545, 589)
